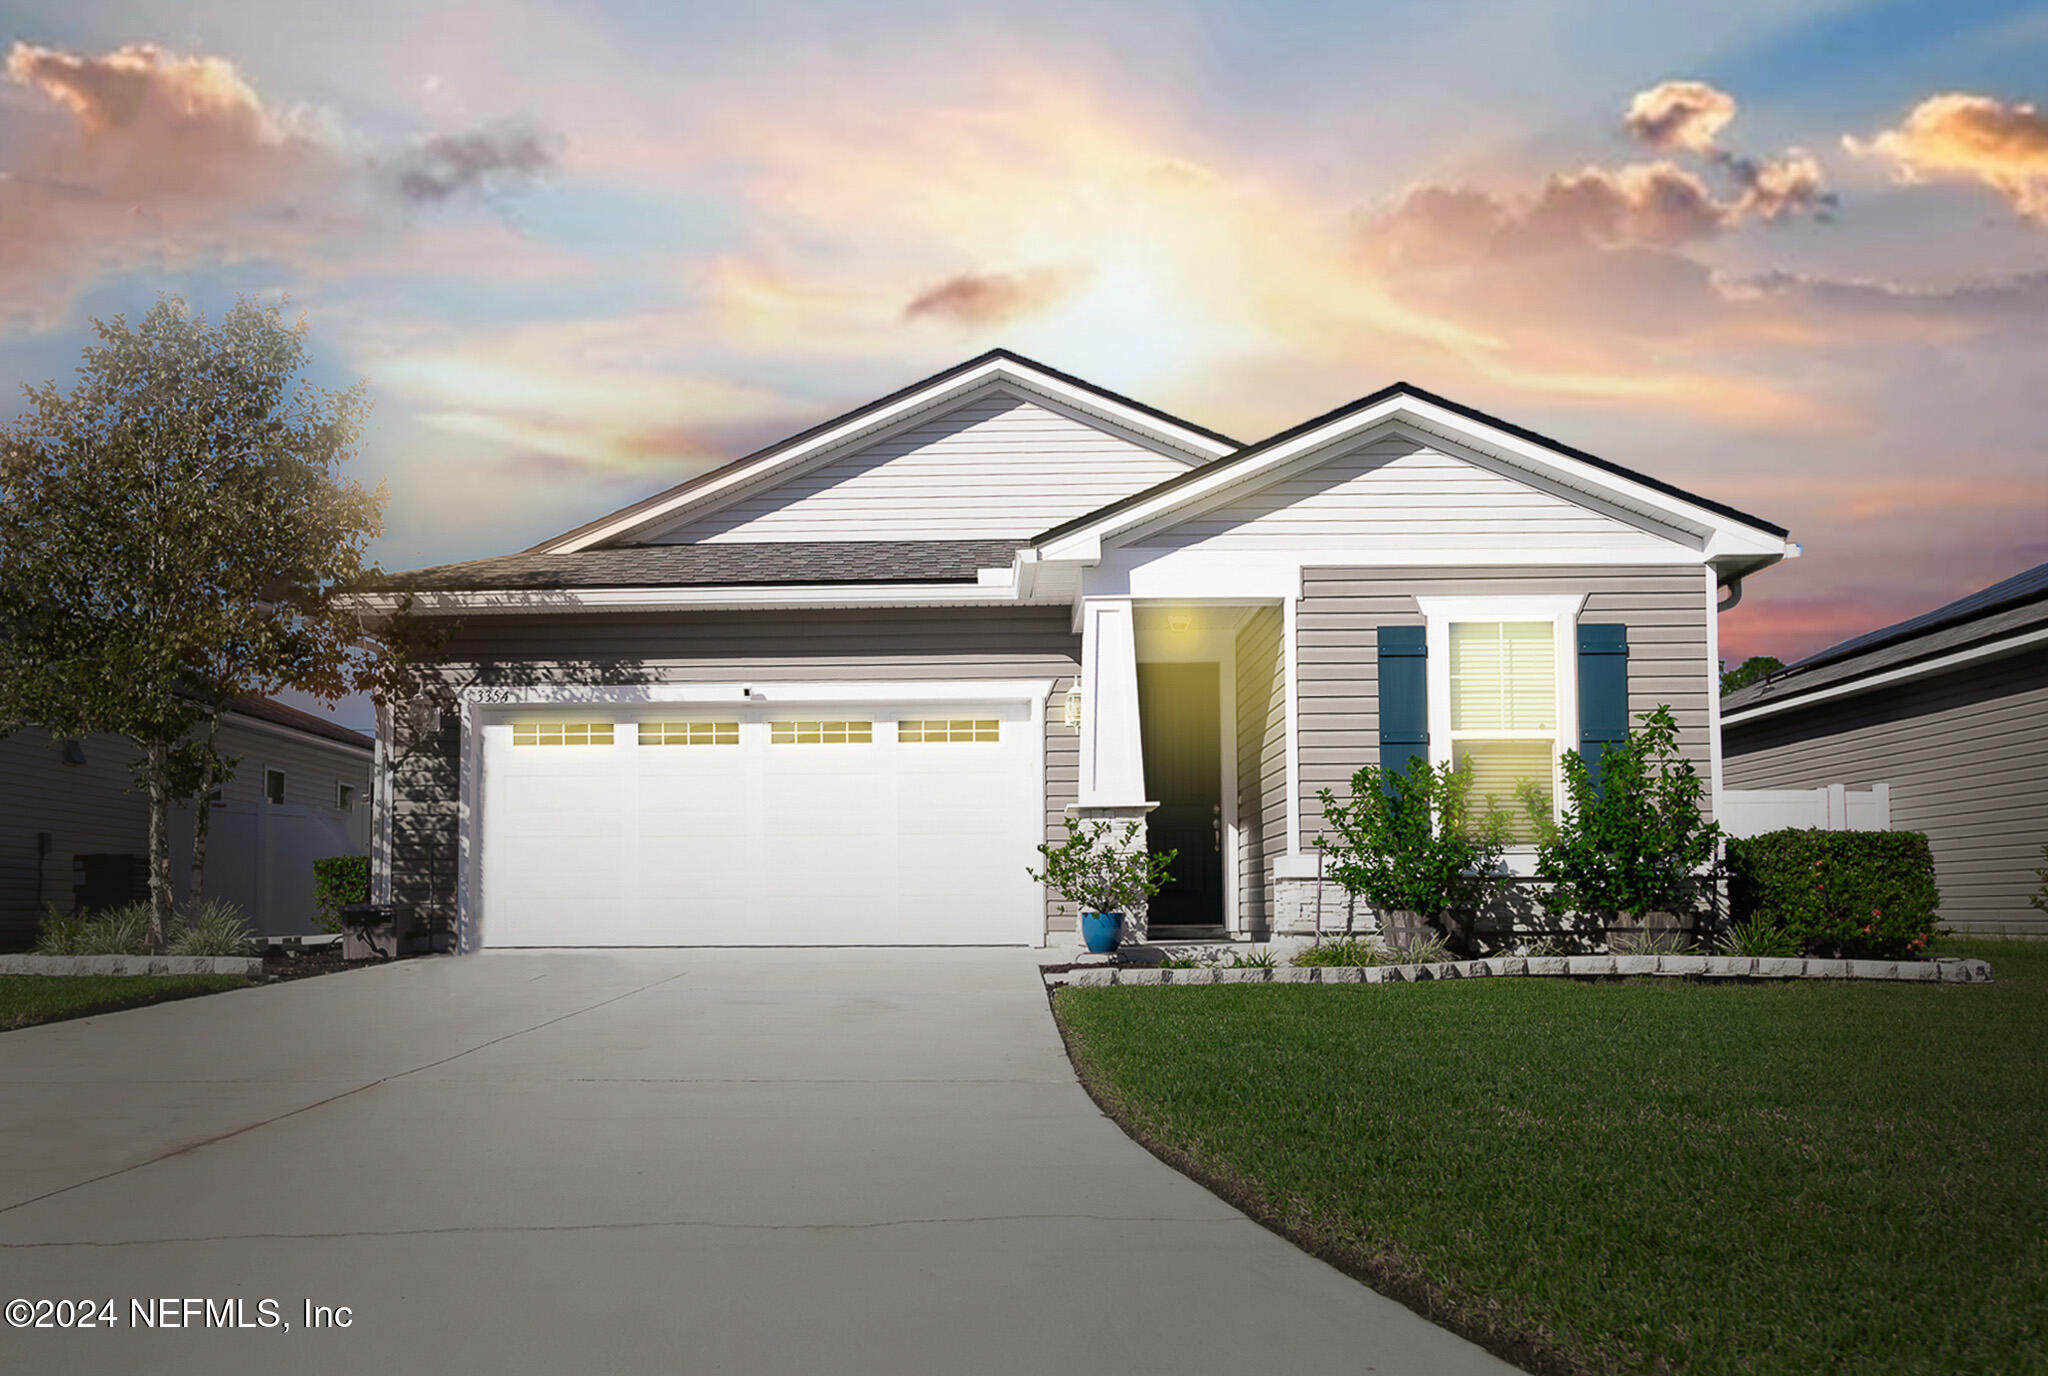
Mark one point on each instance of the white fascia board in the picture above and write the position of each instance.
(767, 692)
(1723, 534)
(864, 426)
(1990, 650)
(487, 601)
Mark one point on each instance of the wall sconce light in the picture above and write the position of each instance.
(74, 752)
(1070, 711)
(426, 718)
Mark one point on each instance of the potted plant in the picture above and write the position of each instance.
(1105, 873)
(1633, 839)
(1408, 843)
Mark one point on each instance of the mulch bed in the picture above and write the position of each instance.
(304, 962)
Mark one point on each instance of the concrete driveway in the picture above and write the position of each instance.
(672, 1161)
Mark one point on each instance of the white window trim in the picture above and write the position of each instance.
(1562, 611)
(283, 786)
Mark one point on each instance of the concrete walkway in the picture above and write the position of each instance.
(646, 1161)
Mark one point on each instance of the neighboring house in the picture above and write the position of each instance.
(1950, 709)
(838, 690)
(73, 828)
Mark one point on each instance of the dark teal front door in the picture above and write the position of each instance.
(1180, 728)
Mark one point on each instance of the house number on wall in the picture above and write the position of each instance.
(490, 695)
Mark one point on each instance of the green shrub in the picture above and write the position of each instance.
(1255, 960)
(122, 931)
(1410, 842)
(214, 928)
(1369, 950)
(1635, 839)
(339, 880)
(2040, 897)
(1859, 894)
(1100, 870)
(1348, 950)
(1757, 937)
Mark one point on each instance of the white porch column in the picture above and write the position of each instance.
(1112, 755)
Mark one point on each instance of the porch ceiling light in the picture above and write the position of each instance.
(1179, 622)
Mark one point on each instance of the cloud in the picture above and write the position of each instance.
(1686, 115)
(502, 155)
(1595, 207)
(994, 298)
(1970, 137)
(142, 156)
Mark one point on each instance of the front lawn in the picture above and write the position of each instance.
(1637, 1176)
(28, 999)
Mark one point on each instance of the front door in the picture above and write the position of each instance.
(1180, 730)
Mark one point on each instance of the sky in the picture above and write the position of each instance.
(1790, 255)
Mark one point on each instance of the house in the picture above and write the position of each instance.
(1950, 710)
(836, 691)
(74, 830)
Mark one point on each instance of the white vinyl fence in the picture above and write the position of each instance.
(1754, 811)
(260, 858)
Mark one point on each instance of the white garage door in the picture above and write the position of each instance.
(695, 826)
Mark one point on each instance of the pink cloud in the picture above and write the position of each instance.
(1970, 137)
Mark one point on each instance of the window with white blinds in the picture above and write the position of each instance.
(1503, 727)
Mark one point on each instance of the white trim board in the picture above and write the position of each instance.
(1992, 650)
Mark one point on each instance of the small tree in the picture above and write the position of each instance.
(1410, 842)
(175, 533)
(1752, 670)
(1100, 871)
(1633, 837)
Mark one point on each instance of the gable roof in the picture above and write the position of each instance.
(1196, 441)
(2014, 606)
(720, 565)
(306, 723)
(1217, 472)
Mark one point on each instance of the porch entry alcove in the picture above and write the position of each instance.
(1187, 677)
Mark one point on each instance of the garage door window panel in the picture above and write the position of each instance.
(949, 731)
(821, 732)
(689, 733)
(562, 733)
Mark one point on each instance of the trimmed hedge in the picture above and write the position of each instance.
(1856, 894)
(339, 880)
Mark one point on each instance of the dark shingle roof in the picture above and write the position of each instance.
(277, 714)
(2014, 604)
(721, 565)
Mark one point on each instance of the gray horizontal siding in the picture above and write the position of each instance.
(1395, 493)
(1664, 607)
(698, 647)
(1966, 755)
(1261, 762)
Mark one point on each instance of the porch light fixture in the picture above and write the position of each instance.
(1179, 623)
(1070, 708)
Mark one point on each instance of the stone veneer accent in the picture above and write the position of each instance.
(1300, 898)
(251, 966)
(1945, 971)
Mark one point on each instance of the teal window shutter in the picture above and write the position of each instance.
(1603, 692)
(1404, 696)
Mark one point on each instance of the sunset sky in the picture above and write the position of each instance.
(1790, 255)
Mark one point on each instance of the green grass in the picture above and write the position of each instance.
(29, 999)
(1635, 1176)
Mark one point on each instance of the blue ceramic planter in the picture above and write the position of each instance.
(1102, 931)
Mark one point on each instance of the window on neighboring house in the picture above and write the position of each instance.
(942, 730)
(344, 795)
(273, 786)
(216, 799)
(689, 733)
(820, 732)
(562, 733)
